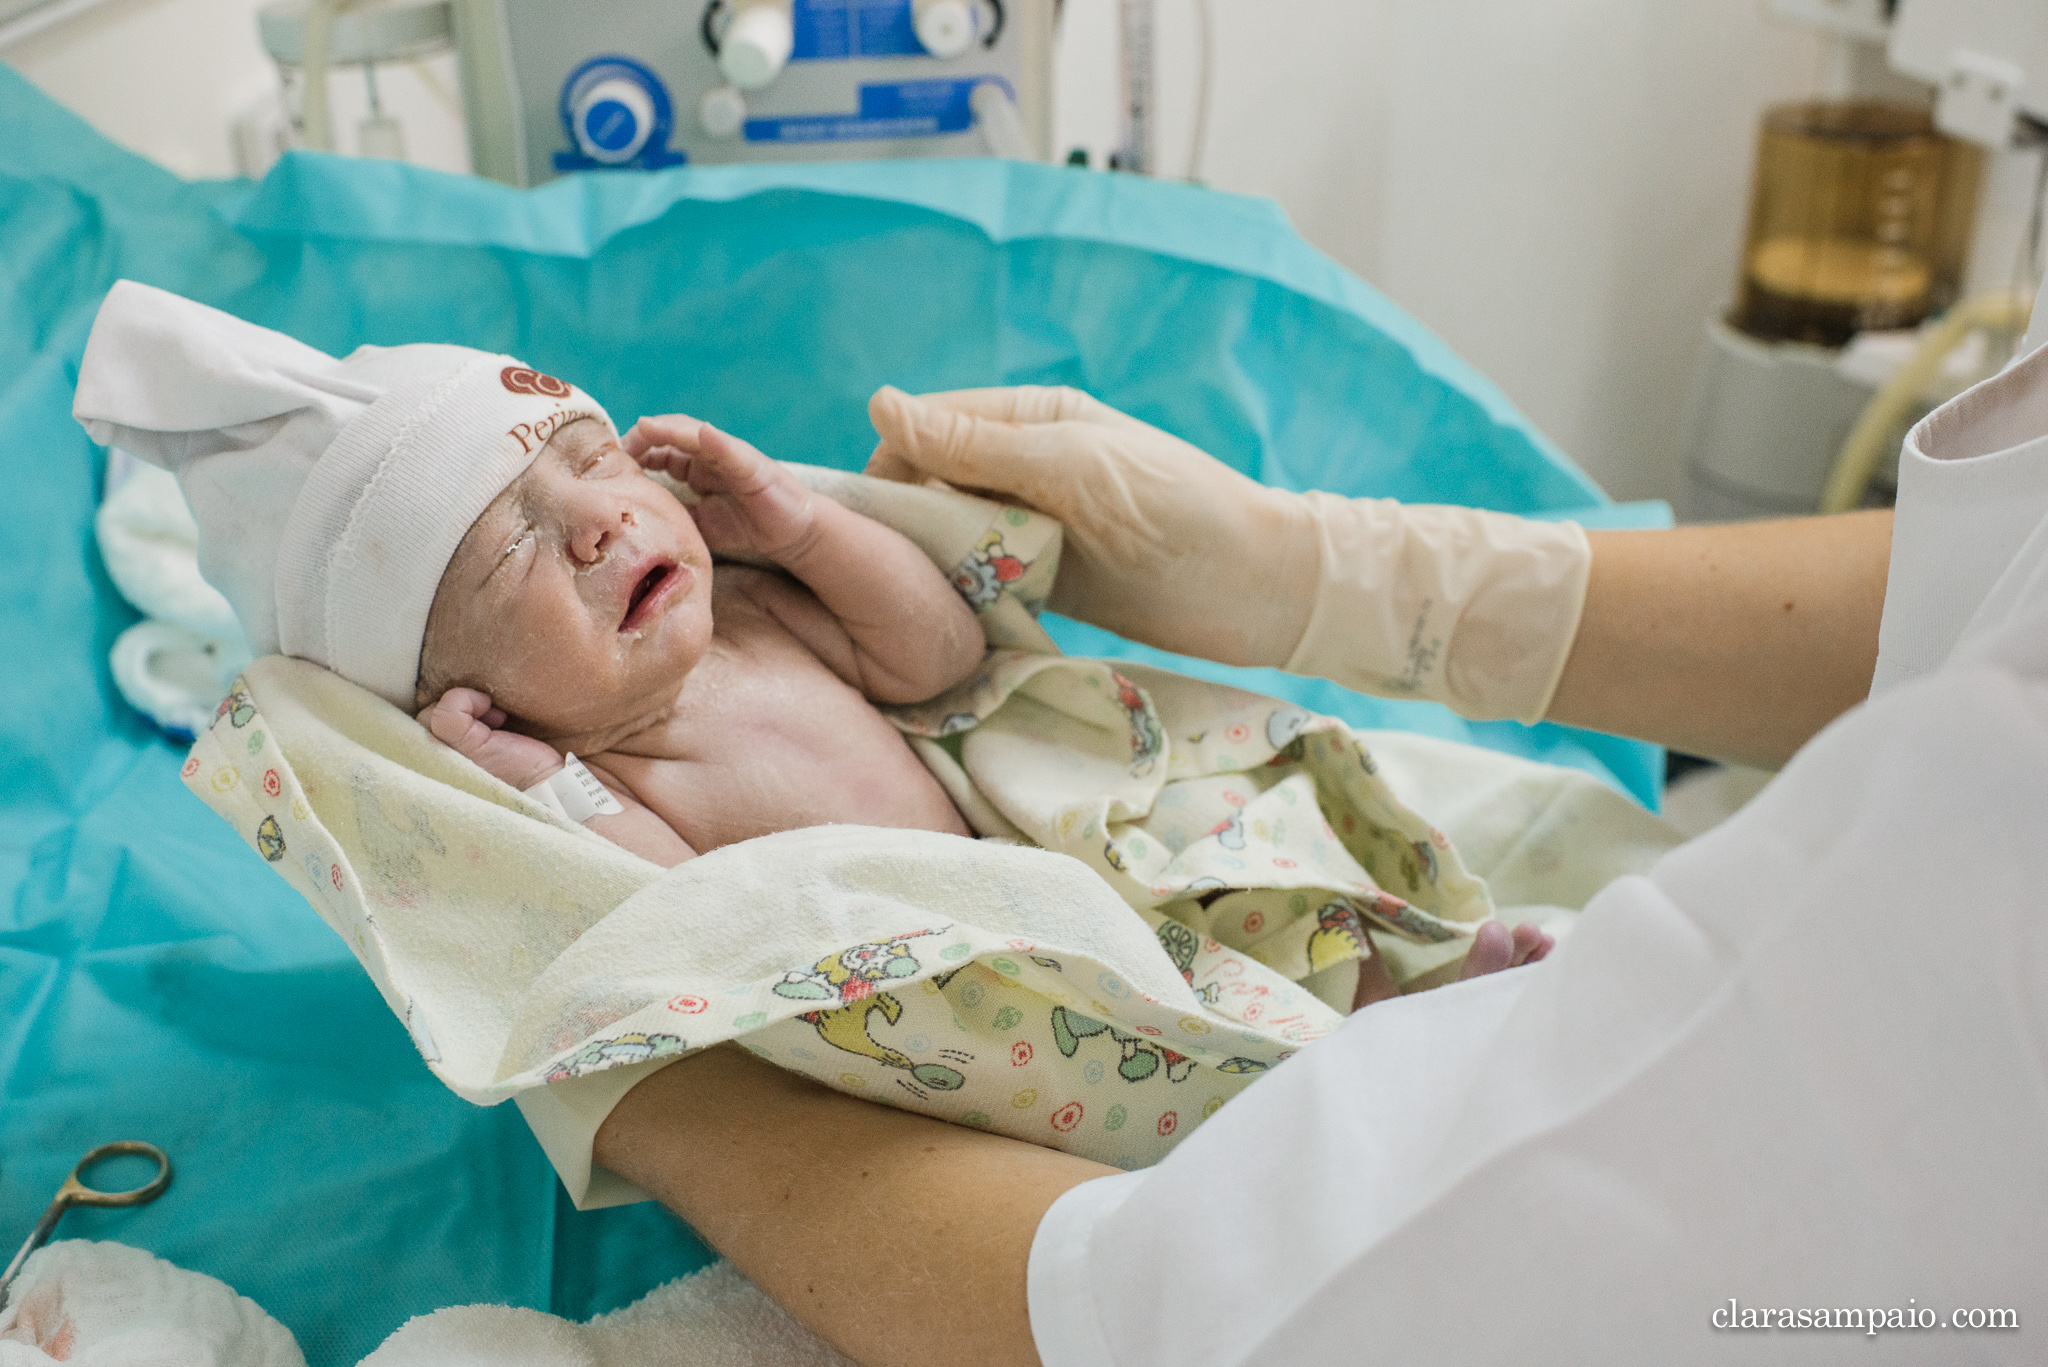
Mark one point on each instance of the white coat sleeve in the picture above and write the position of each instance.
(1799, 1066)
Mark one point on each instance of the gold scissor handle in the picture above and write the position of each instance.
(76, 1193)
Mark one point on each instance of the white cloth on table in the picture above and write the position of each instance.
(712, 1318)
(174, 666)
(1796, 1066)
(95, 1304)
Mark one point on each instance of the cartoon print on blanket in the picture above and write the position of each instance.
(1247, 821)
(1105, 1010)
(849, 977)
(982, 577)
(1208, 864)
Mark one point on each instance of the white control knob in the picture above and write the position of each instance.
(613, 120)
(722, 112)
(756, 45)
(945, 27)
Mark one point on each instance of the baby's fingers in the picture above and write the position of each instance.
(724, 464)
(469, 702)
(678, 430)
(463, 719)
(664, 443)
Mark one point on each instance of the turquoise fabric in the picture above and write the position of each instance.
(157, 982)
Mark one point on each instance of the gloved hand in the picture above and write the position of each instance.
(1166, 545)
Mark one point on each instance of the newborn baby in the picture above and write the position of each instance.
(461, 535)
(581, 614)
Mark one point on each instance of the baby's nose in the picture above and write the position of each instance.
(595, 537)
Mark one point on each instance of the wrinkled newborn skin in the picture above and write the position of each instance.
(581, 613)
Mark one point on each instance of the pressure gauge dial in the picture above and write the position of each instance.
(612, 120)
(616, 112)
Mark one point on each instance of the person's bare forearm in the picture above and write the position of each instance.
(1736, 642)
(901, 1240)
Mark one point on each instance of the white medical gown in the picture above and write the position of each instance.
(1803, 1064)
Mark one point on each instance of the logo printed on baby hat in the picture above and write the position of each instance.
(522, 380)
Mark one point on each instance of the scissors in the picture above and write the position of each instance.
(76, 1193)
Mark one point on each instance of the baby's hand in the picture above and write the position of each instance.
(466, 722)
(751, 505)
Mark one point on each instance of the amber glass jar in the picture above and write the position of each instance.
(1860, 218)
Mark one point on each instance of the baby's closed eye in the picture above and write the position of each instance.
(605, 461)
(525, 539)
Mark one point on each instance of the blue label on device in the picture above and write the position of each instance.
(903, 109)
(834, 30)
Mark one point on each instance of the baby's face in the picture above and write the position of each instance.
(579, 599)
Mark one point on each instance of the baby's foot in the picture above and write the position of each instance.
(1495, 947)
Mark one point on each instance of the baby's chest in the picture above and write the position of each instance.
(776, 752)
(782, 704)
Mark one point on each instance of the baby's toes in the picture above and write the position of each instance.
(1492, 950)
(1530, 944)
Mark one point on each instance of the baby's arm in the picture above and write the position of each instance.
(892, 626)
(466, 722)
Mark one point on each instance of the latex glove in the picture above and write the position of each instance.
(1169, 546)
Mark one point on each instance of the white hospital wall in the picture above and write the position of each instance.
(160, 76)
(166, 78)
(1555, 186)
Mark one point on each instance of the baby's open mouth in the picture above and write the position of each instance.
(648, 596)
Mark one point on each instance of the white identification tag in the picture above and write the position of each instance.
(574, 794)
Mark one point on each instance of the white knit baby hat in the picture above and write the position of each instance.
(330, 494)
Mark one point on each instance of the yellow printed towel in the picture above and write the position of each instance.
(1211, 867)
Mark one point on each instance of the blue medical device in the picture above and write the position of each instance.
(642, 84)
(616, 113)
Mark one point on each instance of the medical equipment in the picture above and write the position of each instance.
(75, 1192)
(313, 36)
(1135, 143)
(551, 88)
(1863, 219)
(1859, 219)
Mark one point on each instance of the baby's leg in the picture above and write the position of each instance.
(1494, 947)
(1375, 984)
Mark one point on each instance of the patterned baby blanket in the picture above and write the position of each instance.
(1179, 882)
